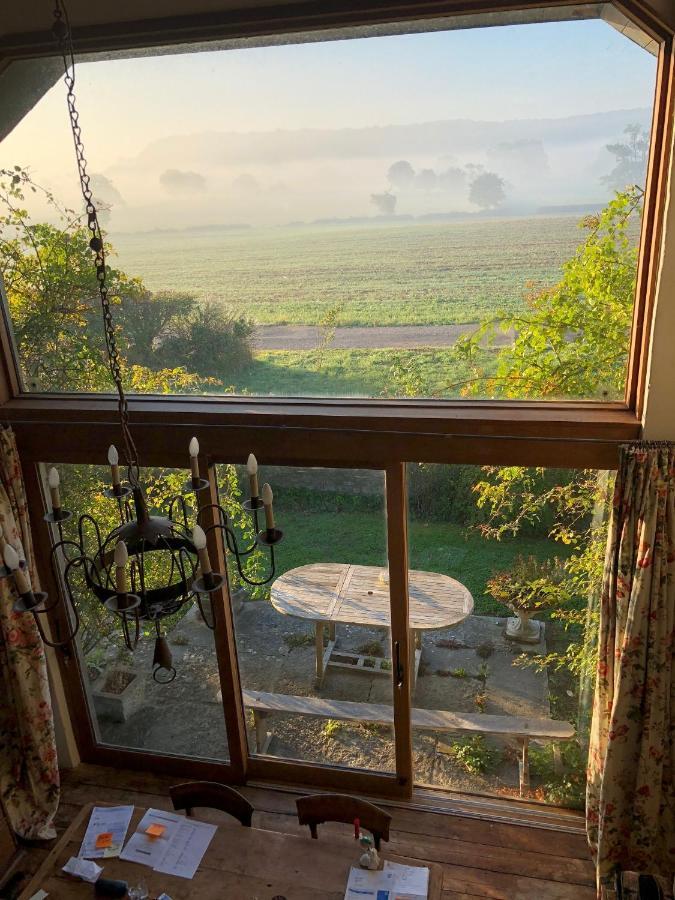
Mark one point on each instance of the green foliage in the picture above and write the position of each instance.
(208, 338)
(328, 324)
(440, 493)
(474, 754)
(573, 339)
(564, 785)
(51, 288)
(578, 506)
(530, 584)
(331, 727)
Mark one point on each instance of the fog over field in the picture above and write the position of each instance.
(277, 177)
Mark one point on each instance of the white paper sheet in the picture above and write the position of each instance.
(186, 848)
(411, 882)
(366, 885)
(178, 851)
(148, 851)
(114, 819)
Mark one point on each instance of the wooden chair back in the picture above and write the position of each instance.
(318, 808)
(212, 795)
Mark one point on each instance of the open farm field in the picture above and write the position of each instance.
(374, 275)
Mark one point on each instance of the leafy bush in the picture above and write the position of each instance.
(566, 787)
(530, 585)
(474, 754)
(210, 339)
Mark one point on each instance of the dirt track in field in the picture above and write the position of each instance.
(409, 337)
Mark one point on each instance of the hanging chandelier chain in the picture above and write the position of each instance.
(63, 34)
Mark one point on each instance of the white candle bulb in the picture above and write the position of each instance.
(54, 480)
(121, 559)
(267, 498)
(199, 540)
(252, 469)
(194, 459)
(11, 557)
(198, 537)
(113, 459)
(21, 578)
(121, 554)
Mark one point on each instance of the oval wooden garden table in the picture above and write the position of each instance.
(330, 593)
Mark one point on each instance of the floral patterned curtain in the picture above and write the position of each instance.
(29, 775)
(630, 812)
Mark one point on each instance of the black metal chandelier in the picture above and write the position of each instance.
(149, 566)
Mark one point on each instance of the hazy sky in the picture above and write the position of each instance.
(502, 73)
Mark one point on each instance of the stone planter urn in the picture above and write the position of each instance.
(523, 628)
(118, 693)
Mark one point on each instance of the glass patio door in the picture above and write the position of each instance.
(322, 650)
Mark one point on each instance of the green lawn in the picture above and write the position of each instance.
(345, 373)
(397, 274)
(360, 537)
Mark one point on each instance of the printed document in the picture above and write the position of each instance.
(111, 821)
(177, 851)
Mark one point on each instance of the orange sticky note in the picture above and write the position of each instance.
(155, 831)
(104, 840)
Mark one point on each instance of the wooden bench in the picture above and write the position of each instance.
(263, 704)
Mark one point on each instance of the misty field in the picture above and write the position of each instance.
(407, 274)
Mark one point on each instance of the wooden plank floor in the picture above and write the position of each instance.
(479, 857)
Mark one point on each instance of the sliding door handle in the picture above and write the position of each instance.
(400, 674)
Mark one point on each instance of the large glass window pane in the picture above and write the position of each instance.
(127, 705)
(314, 647)
(403, 223)
(529, 546)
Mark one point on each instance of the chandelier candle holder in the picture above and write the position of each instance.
(150, 565)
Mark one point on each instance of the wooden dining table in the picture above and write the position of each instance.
(239, 864)
(332, 593)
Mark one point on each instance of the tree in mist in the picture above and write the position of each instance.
(631, 159)
(452, 179)
(487, 190)
(401, 174)
(105, 195)
(426, 180)
(385, 203)
(179, 182)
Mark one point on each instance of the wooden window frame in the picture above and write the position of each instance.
(62, 428)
